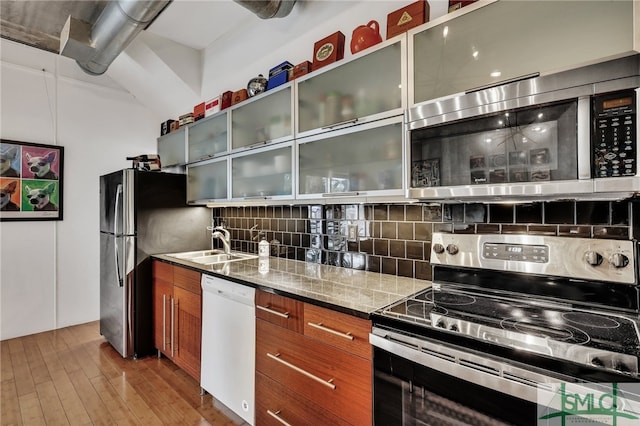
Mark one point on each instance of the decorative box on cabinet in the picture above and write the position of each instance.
(484, 44)
(265, 118)
(302, 372)
(263, 174)
(172, 148)
(360, 161)
(208, 137)
(207, 181)
(369, 87)
(177, 315)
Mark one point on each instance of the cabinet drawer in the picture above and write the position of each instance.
(275, 400)
(163, 271)
(187, 279)
(280, 310)
(337, 329)
(330, 377)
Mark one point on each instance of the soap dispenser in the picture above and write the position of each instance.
(263, 248)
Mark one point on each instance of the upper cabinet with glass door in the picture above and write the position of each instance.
(172, 148)
(207, 181)
(266, 118)
(208, 138)
(369, 87)
(490, 43)
(362, 161)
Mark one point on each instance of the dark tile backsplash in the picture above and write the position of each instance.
(396, 239)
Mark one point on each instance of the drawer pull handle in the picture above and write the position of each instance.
(271, 311)
(319, 326)
(327, 383)
(276, 416)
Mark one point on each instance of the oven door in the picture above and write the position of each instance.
(423, 382)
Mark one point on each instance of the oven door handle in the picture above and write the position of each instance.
(471, 367)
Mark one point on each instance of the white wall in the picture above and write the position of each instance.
(49, 271)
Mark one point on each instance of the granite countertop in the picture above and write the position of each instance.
(350, 291)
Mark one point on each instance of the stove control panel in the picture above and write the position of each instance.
(516, 252)
(586, 258)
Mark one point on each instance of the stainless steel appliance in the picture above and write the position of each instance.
(141, 213)
(508, 316)
(570, 135)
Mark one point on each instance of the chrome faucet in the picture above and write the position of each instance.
(221, 233)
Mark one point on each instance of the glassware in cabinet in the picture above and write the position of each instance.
(368, 87)
(208, 181)
(358, 161)
(208, 137)
(263, 174)
(264, 119)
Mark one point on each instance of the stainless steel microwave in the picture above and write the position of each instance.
(569, 135)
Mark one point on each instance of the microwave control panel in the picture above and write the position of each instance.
(614, 139)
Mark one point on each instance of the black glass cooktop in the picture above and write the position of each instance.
(596, 338)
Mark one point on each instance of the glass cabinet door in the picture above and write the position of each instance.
(508, 40)
(263, 174)
(172, 148)
(355, 161)
(207, 137)
(207, 181)
(368, 85)
(267, 118)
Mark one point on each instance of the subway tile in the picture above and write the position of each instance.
(438, 227)
(528, 213)
(405, 268)
(592, 213)
(389, 266)
(405, 230)
(613, 232)
(396, 212)
(560, 212)
(376, 229)
(353, 246)
(381, 247)
(500, 213)
(543, 230)
(374, 264)
(415, 250)
(514, 229)
(296, 240)
(397, 248)
(380, 212)
(389, 230)
(427, 251)
(475, 213)
(574, 231)
(413, 212)
(620, 213)
(488, 228)
(366, 246)
(432, 213)
(423, 270)
(423, 231)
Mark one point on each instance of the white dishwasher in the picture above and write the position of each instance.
(229, 344)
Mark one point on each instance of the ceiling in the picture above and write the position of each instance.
(193, 23)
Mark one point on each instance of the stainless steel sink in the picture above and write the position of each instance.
(212, 257)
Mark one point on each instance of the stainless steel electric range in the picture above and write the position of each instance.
(507, 316)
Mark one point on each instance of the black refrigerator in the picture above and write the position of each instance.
(141, 213)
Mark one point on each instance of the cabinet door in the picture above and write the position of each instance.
(208, 181)
(172, 148)
(337, 329)
(279, 310)
(188, 331)
(277, 404)
(207, 137)
(487, 45)
(266, 118)
(370, 85)
(356, 161)
(162, 294)
(263, 174)
(330, 377)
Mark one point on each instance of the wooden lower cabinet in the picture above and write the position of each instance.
(321, 374)
(278, 405)
(177, 315)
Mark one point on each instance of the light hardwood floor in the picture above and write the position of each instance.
(73, 376)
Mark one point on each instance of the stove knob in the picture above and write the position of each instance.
(438, 248)
(622, 367)
(452, 249)
(597, 362)
(453, 327)
(441, 324)
(619, 260)
(593, 258)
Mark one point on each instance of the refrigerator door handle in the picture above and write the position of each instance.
(116, 210)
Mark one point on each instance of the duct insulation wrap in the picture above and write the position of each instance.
(267, 9)
(118, 24)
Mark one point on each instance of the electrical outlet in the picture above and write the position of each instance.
(353, 232)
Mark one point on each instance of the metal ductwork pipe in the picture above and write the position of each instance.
(267, 9)
(95, 48)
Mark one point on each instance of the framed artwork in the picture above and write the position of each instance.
(30, 181)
